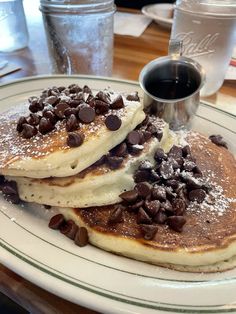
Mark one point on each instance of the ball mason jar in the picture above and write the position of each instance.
(79, 35)
(207, 29)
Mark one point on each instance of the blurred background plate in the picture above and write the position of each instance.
(161, 13)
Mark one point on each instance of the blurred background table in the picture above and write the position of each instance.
(130, 55)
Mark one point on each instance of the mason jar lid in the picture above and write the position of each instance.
(218, 8)
(76, 6)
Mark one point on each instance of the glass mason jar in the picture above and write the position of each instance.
(13, 28)
(208, 31)
(79, 35)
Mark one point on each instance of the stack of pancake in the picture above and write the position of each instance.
(50, 170)
(99, 158)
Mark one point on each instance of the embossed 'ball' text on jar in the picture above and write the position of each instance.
(79, 35)
(208, 31)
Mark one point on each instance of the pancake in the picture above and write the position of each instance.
(208, 240)
(49, 155)
(97, 185)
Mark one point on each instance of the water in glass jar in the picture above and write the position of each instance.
(209, 40)
(13, 29)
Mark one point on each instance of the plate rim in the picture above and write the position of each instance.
(136, 84)
(155, 17)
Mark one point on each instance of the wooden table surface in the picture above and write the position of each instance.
(130, 55)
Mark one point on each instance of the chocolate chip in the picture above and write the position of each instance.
(116, 215)
(87, 114)
(81, 237)
(117, 103)
(120, 150)
(33, 119)
(167, 206)
(146, 120)
(159, 135)
(152, 207)
(141, 176)
(133, 138)
(114, 162)
(69, 229)
(176, 223)
(144, 189)
(101, 107)
(45, 126)
(35, 106)
(71, 123)
(147, 135)
(129, 196)
(152, 129)
(142, 217)
(75, 89)
(166, 170)
(75, 103)
(113, 122)
(51, 116)
(75, 139)
(170, 193)
(70, 111)
(145, 165)
(160, 217)
(197, 195)
(148, 231)
(179, 206)
(172, 183)
(28, 131)
(189, 165)
(51, 100)
(20, 122)
(186, 151)
(103, 97)
(9, 188)
(61, 88)
(134, 207)
(142, 138)
(133, 97)
(60, 109)
(159, 193)
(100, 161)
(56, 221)
(135, 149)
(175, 152)
(154, 177)
(159, 155)
(218, 140)
(12, 198)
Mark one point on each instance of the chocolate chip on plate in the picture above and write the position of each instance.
(75, 139)
(197, 195)
(117, 103)
(129, 196)
(179, 206)
(141, 176)
(28, 130)
(103, 97)
(113, 122)
(133, 138)
(166, 170)
(176, 223)
(159, 155)
(116, 215)
(160, 217)
(148, 231)
(56, 221)
(159, 193)
(81, 237)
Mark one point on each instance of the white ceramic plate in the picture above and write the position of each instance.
(161, 13)
(92, 277)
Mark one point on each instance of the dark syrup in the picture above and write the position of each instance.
(171, 89)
